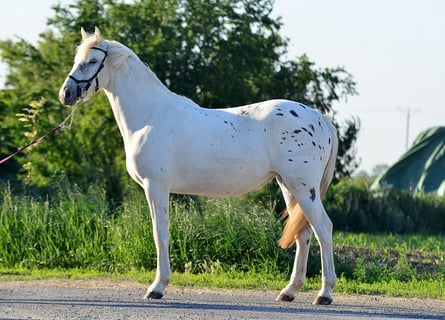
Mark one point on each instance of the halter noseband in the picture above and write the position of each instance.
(88, 81)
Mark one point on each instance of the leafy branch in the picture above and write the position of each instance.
(30, 118)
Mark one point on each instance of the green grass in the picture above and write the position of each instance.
(431, 288)
(214, 243)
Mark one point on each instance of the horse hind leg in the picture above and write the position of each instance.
(302, 240)
(298, 276)
(310, 206)
(322, 227)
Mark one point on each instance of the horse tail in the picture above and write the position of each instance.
(297, 221)
(295, 225)
(328, 173)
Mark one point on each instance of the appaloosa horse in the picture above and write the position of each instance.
(172, 145)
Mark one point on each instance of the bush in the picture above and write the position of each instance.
(353, 207)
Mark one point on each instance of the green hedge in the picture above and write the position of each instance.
(353, 207)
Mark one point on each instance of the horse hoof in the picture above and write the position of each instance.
(284, 297)
(323, 301)
(153, 295)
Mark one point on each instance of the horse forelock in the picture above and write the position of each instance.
(84, 48)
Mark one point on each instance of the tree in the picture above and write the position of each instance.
(219, 53)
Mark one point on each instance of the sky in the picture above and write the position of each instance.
(395, 51)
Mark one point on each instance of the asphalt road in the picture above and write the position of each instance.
(105, 299)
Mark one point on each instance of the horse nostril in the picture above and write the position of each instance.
(65, 95)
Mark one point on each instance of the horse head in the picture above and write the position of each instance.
(88, 74)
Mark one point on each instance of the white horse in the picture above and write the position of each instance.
(172, 145)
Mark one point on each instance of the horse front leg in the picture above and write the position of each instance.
(158, 200)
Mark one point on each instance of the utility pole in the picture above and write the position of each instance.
(408, 118)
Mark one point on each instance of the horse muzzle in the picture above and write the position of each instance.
(70, 92)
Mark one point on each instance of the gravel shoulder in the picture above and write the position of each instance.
(108, 299)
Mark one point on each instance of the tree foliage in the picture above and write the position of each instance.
(218, 53)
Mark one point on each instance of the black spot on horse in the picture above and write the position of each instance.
(312, 197)
(329, 141)
(302, 105)
(279, 114)
(313, 143)
(294, 113)
(312, 127)
(297, 131)
(290, 160)
(307, 131)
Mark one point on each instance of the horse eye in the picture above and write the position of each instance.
(93, 61)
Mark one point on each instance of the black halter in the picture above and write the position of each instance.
(88, 81)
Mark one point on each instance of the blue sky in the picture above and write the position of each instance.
(395, 51)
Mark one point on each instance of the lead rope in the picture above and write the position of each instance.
(62, 126)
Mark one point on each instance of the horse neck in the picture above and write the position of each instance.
(135, 93)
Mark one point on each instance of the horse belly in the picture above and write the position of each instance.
(222, 177)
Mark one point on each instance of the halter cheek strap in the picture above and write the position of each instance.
(94, 76)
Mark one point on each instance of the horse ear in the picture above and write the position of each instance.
(83, 33)
(97, 33)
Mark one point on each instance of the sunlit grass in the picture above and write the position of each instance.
(236, 280)
(214, 243)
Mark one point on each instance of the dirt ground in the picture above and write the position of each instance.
(107, 299)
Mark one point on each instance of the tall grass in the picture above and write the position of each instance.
(74, 229)
(233, 233)
(70, 231)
